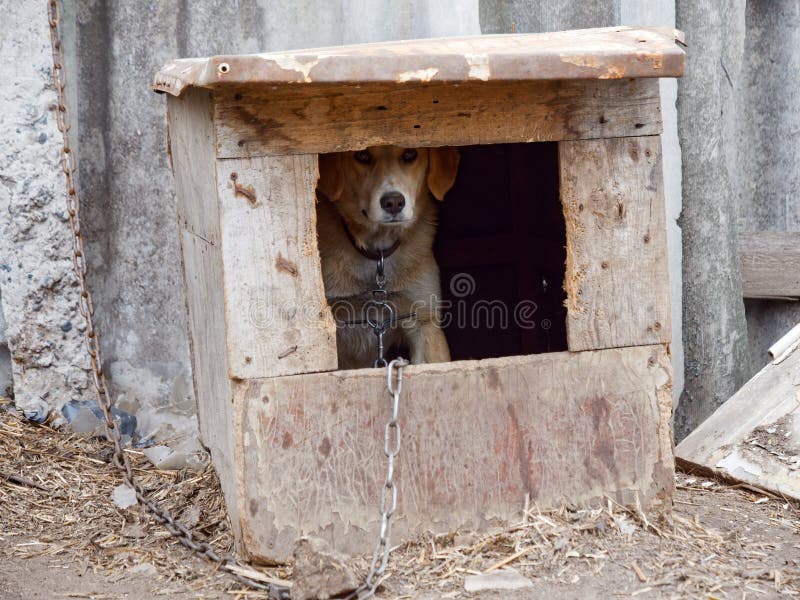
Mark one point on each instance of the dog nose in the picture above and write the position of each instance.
(393, 202)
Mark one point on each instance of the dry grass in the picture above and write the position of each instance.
(617, 551)
(720, 541)
(55, 490)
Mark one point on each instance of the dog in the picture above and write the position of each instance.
(381, 199)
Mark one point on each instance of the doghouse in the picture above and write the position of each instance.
(559, 134)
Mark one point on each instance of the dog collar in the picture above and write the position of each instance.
(368, 253)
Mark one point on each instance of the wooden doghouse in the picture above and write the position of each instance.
(297, 443)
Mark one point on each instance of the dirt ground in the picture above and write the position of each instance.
(61, 536)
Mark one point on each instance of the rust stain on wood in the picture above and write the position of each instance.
(557, 426)
(284, 264)
(613, 72)
(656, 59)
(245, 191)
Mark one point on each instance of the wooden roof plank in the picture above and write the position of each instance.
(607, 53)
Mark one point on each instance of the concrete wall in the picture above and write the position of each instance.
(714, 337)
(38, 293)
(6, 376)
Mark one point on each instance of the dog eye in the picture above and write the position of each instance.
(409, 155)
(363, 156)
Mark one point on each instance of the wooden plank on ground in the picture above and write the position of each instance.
(616, 275)
(291, 120)
(477, 437)
(278, 320)
(755, 436)
(770, 262)
(192, 152)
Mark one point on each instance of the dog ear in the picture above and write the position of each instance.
(331, 177)
(442, 170)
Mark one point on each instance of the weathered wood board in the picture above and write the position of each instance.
(770, 262)
(616, 277)
(755, 436)
(192, 152)
(477, 437)
(604, 53)
(318, 119)
(277, 317)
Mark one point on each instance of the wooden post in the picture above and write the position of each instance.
(616, 280)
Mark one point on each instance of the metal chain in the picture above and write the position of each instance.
(391, 448)
(91, 337)
(379, 312)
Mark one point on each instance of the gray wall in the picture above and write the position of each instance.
(714, 338)
(127, 188)
(739, 107)
(740, 122)
(38, 293)
(768, 140)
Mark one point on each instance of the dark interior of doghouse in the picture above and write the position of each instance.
(500, 247)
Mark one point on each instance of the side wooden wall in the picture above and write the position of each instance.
(191, 146)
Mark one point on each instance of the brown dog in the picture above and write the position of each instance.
(374, 200)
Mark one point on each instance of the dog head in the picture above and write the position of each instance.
(382, 186)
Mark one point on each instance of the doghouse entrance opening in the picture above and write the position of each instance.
(500, 246)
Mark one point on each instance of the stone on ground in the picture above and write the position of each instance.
(319, 572)
(501, 579)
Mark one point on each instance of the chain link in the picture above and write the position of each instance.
(92, 339)
(379, 312)
(391, 448)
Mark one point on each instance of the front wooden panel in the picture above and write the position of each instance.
(278, 320)
(616, 277)
(255, 121)
(477, 437)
